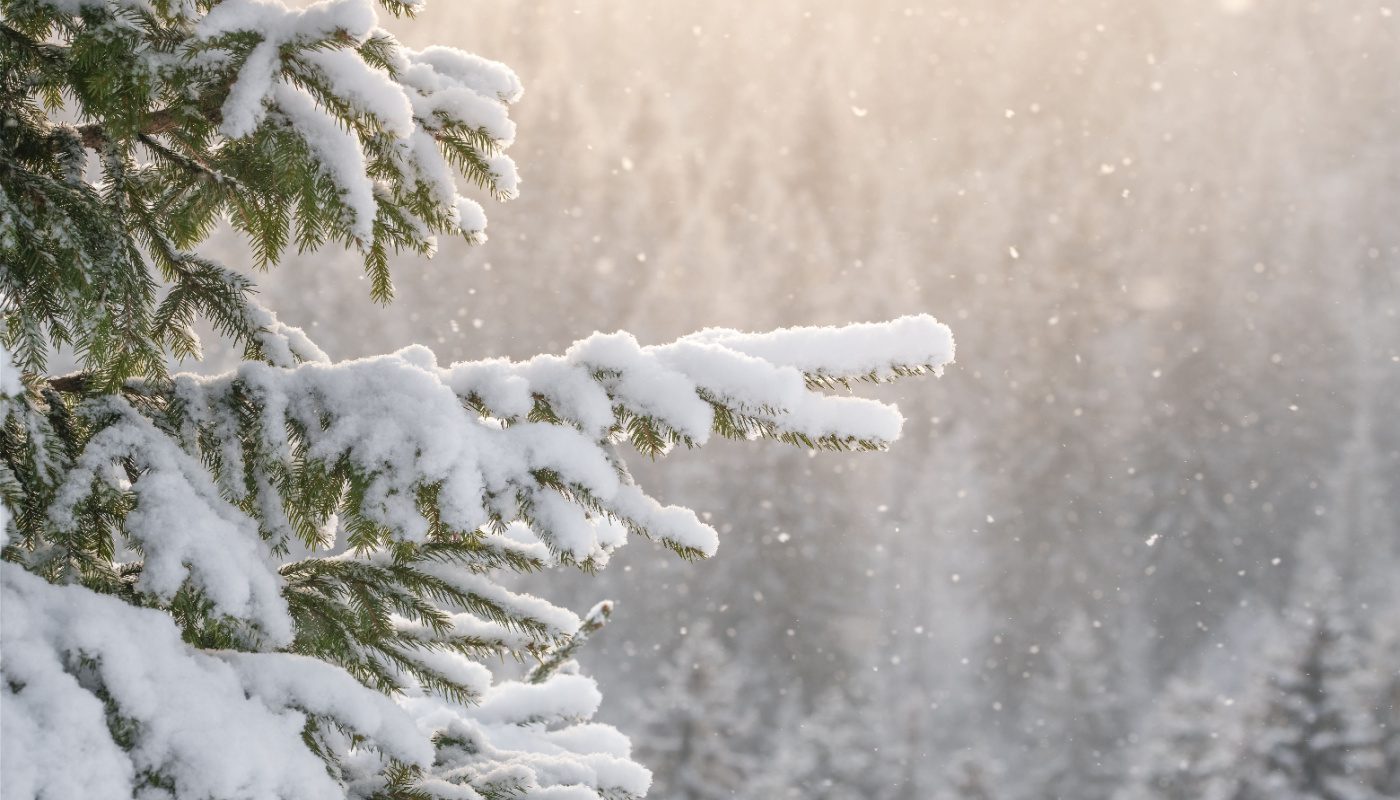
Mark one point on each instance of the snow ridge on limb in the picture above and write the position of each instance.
(862, 351)
(718, 381)
(425, 451)
(525, 739)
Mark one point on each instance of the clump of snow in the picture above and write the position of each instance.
(337, 149)
(849, 351)
(284, 345)
(10, 384)
(244, 109)
(537, 736)
(292, 681)
(368, 90)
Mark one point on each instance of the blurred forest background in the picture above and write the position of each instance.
(1152, 512)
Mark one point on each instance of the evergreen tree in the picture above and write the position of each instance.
(1073, 721)
(838, 753)
(703, 725)
(283, 581)
(1313, 735)
(1388, 709)
(1189, 748)
(788, 761)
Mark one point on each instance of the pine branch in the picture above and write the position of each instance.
(72, 383)
(96, 137)
(550, 663)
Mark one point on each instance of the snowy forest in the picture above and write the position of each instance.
(1140, 541)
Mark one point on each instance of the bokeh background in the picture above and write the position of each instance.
(1167, 236)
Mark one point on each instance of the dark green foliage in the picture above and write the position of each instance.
(105, 267)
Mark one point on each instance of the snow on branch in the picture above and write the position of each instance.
(356, 514)
(862, 351)
(195, 728)
(420, 116)
(534, 739)
(425, 450)
(183, 528)
(300, 123)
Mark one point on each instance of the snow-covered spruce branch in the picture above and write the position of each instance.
(357, 513)
(285, 581)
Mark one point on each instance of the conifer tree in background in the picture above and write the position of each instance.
(1190, 748)
(837, 752)
(1072, 719)
(283, 581)
(1387, 654)
(701, 722)
(787, 760)
(1314, 734)
(1316, 724)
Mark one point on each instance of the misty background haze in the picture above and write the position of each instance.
(1165, 235)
